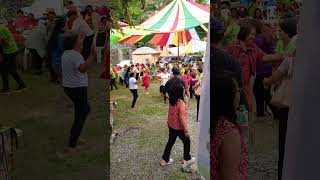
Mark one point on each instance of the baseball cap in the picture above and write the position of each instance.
(175, 71)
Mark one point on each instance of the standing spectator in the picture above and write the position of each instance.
(113, 79)
(75, 83)
(56, 48)
(133, 86)
(177, 120)
(95, 17)
(36, 42)
(80, 26)
(8, 62)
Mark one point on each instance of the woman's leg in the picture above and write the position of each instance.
(283, 121)
(186, 145)
(172, 139)
(198, 105)
(82, 109)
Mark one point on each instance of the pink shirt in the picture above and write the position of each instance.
(173, 116)
(223, 128)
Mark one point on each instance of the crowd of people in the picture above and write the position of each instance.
(66, 44)
(252, 61)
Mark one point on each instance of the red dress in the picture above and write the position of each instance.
(146, 81)
(224, 127)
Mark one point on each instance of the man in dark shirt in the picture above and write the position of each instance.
(174, 81)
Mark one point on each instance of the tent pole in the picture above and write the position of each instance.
(178, 48)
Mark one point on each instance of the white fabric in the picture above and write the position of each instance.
(132, 83)
(164, 78)
(203, 154)
(38, 40)
(80, 26)
(72, 77)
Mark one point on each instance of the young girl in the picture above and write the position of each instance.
(178, 125)
(146, 81)
(229, 153)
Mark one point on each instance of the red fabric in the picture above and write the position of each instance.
(173, 116)
(22, 22)
(222, 129)
(187, 79)
(146, 80)
(248, 57)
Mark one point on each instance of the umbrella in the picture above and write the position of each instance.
(179, 15)
(166, 39)
(195, 46)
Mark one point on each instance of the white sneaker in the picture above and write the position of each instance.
(164, 163)
(189, 163)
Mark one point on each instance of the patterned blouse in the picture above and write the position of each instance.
(224, 127)
(173, 116)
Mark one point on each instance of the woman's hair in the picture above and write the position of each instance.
(58, 28)
(245, 31)
(20, 11)
(224, 93)
(132, 74)
(70, 40)
(289, 26)
(89, 6)
(176, 93)
(256, 11)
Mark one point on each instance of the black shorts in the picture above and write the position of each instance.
(162, 90)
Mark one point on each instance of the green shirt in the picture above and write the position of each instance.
(7, 41)
(280, 49)
(182, 71)
(113, 75)
(232, 32)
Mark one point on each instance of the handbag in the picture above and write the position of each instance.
(281, 96)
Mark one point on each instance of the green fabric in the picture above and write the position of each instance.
(280, 49)
(191, 21)
(113, 75)
(232, 32)
(182, 71)
(251, 10)
(7, 37)
(164, 19)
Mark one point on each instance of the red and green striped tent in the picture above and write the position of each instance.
(177, 16)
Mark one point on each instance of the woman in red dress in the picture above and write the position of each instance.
(146, 81)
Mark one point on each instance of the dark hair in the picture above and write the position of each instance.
(218, 30)
(224, 93)
(245, 30)
(89, 6)
(20, 11)
(176, 92)
(70, 39)
(58, 29)
(289, 26)
(132, 74)
(255, 13)
(103, 18)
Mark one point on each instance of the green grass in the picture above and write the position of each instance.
(41, 113)
(136, 155)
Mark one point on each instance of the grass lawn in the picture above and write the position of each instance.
(143, 134)
(45, 119)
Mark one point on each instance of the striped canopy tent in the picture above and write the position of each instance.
(178, 16)
(170, 38)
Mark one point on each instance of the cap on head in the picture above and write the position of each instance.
(175, 71)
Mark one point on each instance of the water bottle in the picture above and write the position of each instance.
(242, 120)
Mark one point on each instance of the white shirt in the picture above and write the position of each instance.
(164, 78)
(132, 83)
(72, 77)
(81, 26)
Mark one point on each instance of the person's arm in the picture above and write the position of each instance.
(182, 111)
(90, 61)
(276, 76)
(229, 157)
(272, 58)
(196, 85)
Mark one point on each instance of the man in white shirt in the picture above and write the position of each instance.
(133, 86)
(80, 26)
(163, 77)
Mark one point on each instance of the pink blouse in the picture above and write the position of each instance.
(223, 128)
(173, 116)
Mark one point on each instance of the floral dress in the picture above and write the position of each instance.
(224, 127)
